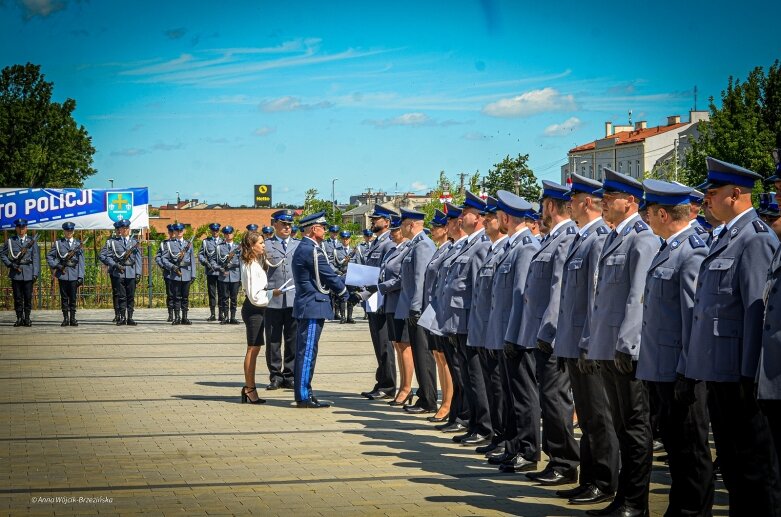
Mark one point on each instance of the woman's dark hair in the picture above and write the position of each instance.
(247, 242)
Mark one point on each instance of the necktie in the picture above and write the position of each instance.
(664, 245)
(611, 238)
(722, 233)
(125, 241)
(284, 245)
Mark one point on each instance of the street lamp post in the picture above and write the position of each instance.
(177, 199)
(333, 195)
(675, 154)
(111, 181)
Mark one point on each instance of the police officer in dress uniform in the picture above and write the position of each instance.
(345, 253)
(542, 295)
(667, 316)
(252, 227)
(598, 442)
(726, 339)
(314, 278)
(280, 325)
(169, 297)
(179, 260)
(205, 256)
(363, 246)
(225, 261)
(612, 337)
(267, 231)
(385, 375)
(123, 258)
(66, 260)
(114, 280)
(21, 256)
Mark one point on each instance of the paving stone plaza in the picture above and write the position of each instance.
(112, 420)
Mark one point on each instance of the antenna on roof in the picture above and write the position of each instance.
(630, 117)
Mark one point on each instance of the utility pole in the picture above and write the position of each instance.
(461, 182)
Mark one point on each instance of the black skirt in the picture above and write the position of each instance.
(397, 329)
(253, 318)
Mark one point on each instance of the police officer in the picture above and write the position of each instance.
(279, 322)
(598, 442)
(770, 215)
(179, 260)
(667, 317)
(226, 261)
(612, 337)
(115, 280)
(66, 259)
(363, 247)
(123, 259)
(169, 297)
(205, 256)
(252, 227)
(267, 231)
(21, 256)
(726, 340)
(542, 295)
(314, 278)
(345, 253)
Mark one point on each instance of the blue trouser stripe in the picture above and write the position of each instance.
(305, 378)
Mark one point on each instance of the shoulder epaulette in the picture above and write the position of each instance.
(572, 230)
(603, 230)
(700, 230)
(695, 241)
(759, 226)
(640, 226)
(527, 240)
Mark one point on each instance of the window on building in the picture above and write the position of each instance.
(638, 168)
(621, 166)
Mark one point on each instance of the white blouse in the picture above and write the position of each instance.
(254, 282)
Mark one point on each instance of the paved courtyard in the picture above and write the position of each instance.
(114, 420)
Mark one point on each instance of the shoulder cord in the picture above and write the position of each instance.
(269, 264)
(11, 251)
(320, 287)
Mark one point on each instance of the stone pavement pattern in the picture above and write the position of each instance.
(148, 420)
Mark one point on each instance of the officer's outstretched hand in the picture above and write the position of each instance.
(544, 347)
(372, 288)
(684, 390)
(623, 362)
(509, 350)
(585, 365)
(354, 298)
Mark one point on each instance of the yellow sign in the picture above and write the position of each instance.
(263, 196)
(262, 189)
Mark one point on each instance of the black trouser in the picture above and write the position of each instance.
(126, 294)
(181, 293)
(68, 295)
(425, 366)
(598, 442)
(558, 438)
(229, 292)
(115, 292)
(524, 405)
(280, 325)
(745, 449)
(23, 296)
(211, 287)
(772, 410)
(385, 375)
(169, 296)
(628, 399)
(495, 386)
(459, 405)
(474, 387)
(685, 438)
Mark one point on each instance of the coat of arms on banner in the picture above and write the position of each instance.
(119, 205)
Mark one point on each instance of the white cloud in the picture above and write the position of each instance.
(42, 8)
(418, 186)
(289, 103)
(415, 119)
(566, 127)
(475, 135)
(530, 103)
(265, 131)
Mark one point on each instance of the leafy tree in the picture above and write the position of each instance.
(511, 173)
(40, 143)
(313, 204)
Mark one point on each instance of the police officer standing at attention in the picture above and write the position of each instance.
(66, 259)
(280, 325)
(22, 258)
(612, 337)
(179, 259)
(252, 227)
(345, 253)
(205, 256)
(726, 339)
(314, 278)
(169, 297)
(267, 231)
(363, 247)
(667, 317)
(114, 280)
(123, 259)
(226, 262)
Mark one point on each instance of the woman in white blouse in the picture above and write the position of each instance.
(254, 282)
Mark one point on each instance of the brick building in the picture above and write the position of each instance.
(239, 218)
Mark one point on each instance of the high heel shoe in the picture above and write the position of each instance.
(404, 402)
(245, 399)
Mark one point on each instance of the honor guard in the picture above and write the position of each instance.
(252, 227)
(169, 296)
(205, 256)
(726, 339)
(280, 325)
(770, 214)
(114, 280)
(179, 261)
(345, 253)
(123, 259)
(226, 261)
(267, 231)
(332, 241)
(21, 256)
(66, 260)
(363, 247)
(314, 278)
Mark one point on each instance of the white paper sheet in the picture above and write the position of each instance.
(428, 320)
(374, 302)
(360, 275)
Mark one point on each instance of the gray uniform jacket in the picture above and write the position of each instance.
(617, 316)
(668, 303)
(578, 286)
(205, 256)
(413, 272)
(360, 253)
(29, 263)
(280, 271)
(344, 255)
(390, 276)
(453, 314)
(542, 293)
(481, 296)
(72, 269)
(229, 269)
(770, 356)
(432, 272)
(186, 266)
(159, 259)
(729, 307)
(112, 253)
(507, 291)
(378, 249)
(438, 287)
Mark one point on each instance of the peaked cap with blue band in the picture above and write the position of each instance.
(491, 205)
(215, 227)
(395, 222)
(704, 222)
(553, 190)
(658, 192)
(513, 205)
(439, 219)
(381, 212)
(412, 214)
(334, 228)
(346, 234)
(252, 227)
(227, 229)
(284, 215)
(722, 173)
(453, 212)
(68, 226)
(169, 227)
(267, 230)
(311, 219)
(617, 182)
(586, 185)
(367, 233)
(473, 201)
(178, 227)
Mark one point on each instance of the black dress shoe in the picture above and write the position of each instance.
(572, 492)
(485, 449)
(377, 395)
(497, 458)
(475, 439)
(594, 495)
(457, 438)
(417, 410)
(619, 511)
(288, 384)
(312, 404)
(519, 464)
(499, 451)
(438, 418)
(455, 427)
(553, 477)
(366, 393)
(274, 385)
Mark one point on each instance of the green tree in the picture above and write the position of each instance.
(511, 173)
(40, 143)
(313, 204)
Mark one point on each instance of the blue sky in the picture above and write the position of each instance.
(210, 98)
